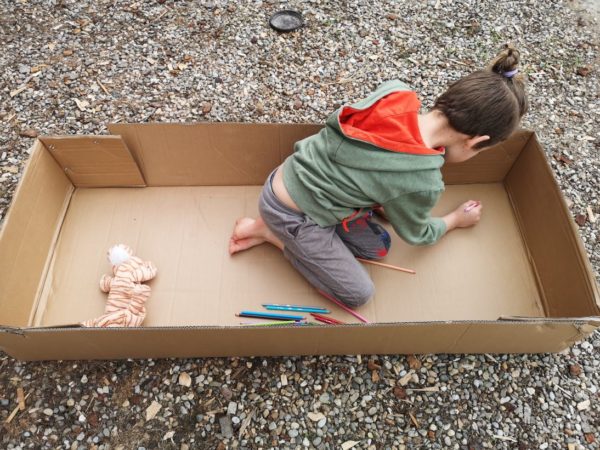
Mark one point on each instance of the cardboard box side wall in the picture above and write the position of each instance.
(565, 278)
(406, 338)
(29, 233)
(208, 154)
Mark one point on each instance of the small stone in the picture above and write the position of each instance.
(226, 427)
(185, 379)
(322, 422)
(583, 405)
(48, 411)
(67, 52)
(232, 408)
(84, 379)
(293, 433)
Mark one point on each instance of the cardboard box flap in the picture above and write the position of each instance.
(29, 234)
(550, 236)
(95, 161)
(210, 154)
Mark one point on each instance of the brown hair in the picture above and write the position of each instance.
(487, 102)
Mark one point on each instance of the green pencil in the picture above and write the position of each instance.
(266, 324)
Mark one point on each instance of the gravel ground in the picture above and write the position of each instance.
(70, 67)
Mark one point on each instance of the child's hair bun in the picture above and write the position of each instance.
(506, 62)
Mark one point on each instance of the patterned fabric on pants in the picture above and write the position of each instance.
(326, 256)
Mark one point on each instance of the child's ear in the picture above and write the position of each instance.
(472, 142)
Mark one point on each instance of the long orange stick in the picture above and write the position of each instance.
(389, 266)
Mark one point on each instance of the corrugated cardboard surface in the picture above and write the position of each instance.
(455, 337)
(566, 281)
(478, 273)
(210, 154)
(28, 235)
(95, 161)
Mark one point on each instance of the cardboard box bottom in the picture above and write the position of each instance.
(480, 273)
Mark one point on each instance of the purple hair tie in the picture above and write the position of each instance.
(510, 73)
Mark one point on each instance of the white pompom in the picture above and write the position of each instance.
(119, 254)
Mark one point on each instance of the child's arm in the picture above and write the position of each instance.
(409, 215)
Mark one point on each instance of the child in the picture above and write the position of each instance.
(317, 206)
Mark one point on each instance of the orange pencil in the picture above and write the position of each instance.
(389, 266)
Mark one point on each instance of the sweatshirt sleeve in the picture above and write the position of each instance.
(409, 214)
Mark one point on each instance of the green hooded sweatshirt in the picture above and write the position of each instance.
(368, 154)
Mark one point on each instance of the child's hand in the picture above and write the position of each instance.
(466, 215)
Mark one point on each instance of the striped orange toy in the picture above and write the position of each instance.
(126, 293)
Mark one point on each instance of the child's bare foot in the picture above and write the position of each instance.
(249, 233)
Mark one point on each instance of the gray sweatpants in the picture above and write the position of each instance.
(326, 255)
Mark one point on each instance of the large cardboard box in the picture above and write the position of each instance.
(518, 282)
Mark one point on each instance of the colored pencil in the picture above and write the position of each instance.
(272, 316)
(298, 308)
(266, 324)
(389, 266)
(328, 319)
(344, 307)
(322, 320)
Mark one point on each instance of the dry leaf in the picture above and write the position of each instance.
(414, 420)
(375, 376)
(168, 435)
(590, 438)
(245, 424)
(315, 417)
(206, 107)
(575, 370)
(591, 214)
(152, 410)
(349, 444)
(67, 52)
(52, 45)
(82, 104)
(18, 90)
(580, 219)
(413, 362)
(584, 71)
(399, 393)
(372, 365)
(405, 379)
(21, 398)
(392, 16)
(29, 132)
(185, 379)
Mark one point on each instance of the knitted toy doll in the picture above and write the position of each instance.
(126, 295)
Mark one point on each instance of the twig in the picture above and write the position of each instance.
(103, 87)
(389, 266)
(15, 411)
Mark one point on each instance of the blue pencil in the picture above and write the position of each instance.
(272, 316)
(297, 308)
